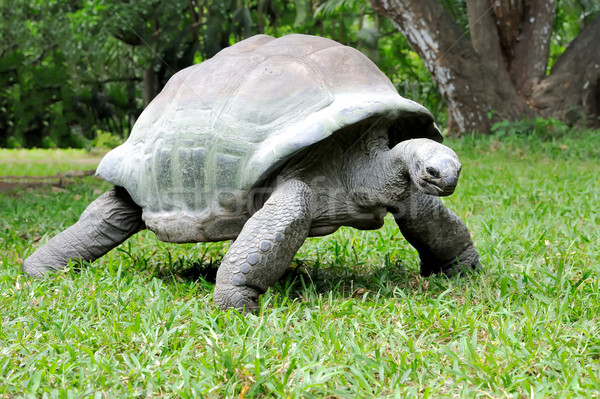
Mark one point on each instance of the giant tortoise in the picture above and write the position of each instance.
(267, 143)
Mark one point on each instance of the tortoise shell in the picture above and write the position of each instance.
(221, 127)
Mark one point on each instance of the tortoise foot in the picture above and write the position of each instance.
(465, 263)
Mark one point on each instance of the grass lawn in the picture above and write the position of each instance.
(352, 319)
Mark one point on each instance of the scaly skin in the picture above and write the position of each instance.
(265, 247)
(441, 238)
(107, 222)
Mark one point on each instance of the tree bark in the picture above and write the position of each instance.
(150, 86)
(501, 67)
(525, 30)
(471, 85)
(573, 86)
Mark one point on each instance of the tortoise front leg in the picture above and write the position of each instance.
(441, 238)
(265, 247)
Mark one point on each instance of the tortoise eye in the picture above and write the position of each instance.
(433, 172)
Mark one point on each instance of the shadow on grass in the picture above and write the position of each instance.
(342, 281)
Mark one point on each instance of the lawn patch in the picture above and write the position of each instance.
(352, 318)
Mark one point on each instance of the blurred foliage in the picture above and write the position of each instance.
(106, 140)
(69, 69)
(543, 128)
(62, 75)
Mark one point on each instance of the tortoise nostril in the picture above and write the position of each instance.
(433, 172)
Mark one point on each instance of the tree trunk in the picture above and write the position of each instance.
(501, 67)
(150, 86)
(573, 86)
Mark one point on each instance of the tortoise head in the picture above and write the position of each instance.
(433, 168)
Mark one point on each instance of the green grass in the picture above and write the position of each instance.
(352, 319)
(44, 162)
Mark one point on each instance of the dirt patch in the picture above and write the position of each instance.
(9, 184)
(83, 161)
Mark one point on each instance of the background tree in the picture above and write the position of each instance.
(62, 78)
(74, 72)
(494, 56)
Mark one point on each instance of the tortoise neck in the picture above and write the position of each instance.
(377, 177)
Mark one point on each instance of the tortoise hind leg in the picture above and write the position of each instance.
(441, 238)
(265, 247)
(107, 222)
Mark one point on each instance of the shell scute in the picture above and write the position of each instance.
(261, 100)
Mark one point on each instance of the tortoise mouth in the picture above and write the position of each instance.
(439, 187)
(437, 177)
